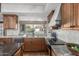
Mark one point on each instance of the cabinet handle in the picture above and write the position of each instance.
(72, 26)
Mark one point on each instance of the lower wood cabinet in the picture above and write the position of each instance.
(34, 44)
(52, 53)
(48, 51)
(19, 52)
(27, 44)
(5, 40)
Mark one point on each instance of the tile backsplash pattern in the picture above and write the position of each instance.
(11, 32)
(70, 36)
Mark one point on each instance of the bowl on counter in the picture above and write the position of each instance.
(73, 48)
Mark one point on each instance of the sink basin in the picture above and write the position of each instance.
(74, 48)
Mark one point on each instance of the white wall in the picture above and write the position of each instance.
(32, 18)
(22, 8)
(59, 16)
(55, 15)
(70, 36)
(50, 6)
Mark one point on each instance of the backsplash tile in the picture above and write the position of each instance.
(70, 36)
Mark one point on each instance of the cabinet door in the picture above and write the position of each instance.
(8, 40)
(10, 21)
(18, 53)
(67, 14)
(36, 44)
(6, 22)
(5, 40)
(77, 15)
(49, 51)
(52, 53)
(44, 45)
(27, 44)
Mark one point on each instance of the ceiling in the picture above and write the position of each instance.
(28, 9)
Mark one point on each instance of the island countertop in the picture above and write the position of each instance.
(9, 49)
(11, 36)
(61, 50)
(23, 36)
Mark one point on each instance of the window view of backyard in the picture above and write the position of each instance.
(35, 30)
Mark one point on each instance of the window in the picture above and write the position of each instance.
(36, 30)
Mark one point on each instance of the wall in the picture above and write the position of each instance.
(21, 7)
(31, 18)
(59, 16)
(24, 18)
(70, 36)
(55, 15)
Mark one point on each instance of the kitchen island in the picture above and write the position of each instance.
(10, 49)
(31, 44)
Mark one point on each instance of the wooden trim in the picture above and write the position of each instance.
(0, 7)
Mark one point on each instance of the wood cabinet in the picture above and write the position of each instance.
(66, 10)
(76, 7)
(70, 15)
(5, 40)
(0, 7)
(52, 53)
(34, 44)
(27, 44)
(10, 21)
(38, 44)
(18, 53)
(49, 51)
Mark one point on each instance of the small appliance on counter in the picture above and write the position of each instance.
(55, 40)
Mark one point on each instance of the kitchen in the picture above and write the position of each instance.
(38, 29)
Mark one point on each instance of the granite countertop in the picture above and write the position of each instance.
(22, 37)
(11, 36)
(61, 50)
(9, 49)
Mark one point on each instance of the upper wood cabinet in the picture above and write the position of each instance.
(76, 14)
(70, 15)
(0, 7)
(10, 21)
